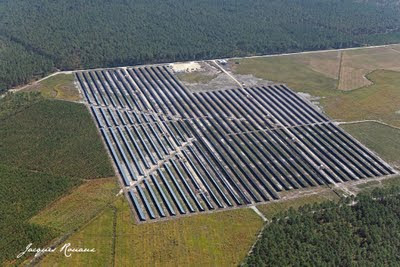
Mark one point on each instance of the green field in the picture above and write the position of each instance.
(47, 148)
(60, 86)
(382, 139)
(218, 239)
(379, 101)
(288, 70)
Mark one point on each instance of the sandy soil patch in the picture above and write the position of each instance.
(187, 66)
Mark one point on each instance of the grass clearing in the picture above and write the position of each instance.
(196, 77)
(326, 63)
(379, 101)
(352, 78)
(386, 183)
(356, 64)
(274, 208)
(395, 181)
(288, 70)
(60, 86)
(382, 139)
(217, 239)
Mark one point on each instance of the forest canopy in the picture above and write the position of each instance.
(37, 37)
(363, 232)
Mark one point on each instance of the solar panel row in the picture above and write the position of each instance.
(179, 152)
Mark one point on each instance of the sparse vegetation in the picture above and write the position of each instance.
(195, 77)
(60, 86)
(272, 209)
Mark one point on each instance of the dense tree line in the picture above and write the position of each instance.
(365, 232)
(38, 36)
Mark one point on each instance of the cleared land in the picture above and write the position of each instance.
(97, 234)
(207, 76)
(379, 101)
(356, 64)
(196, 77)
(320, 195)
(60, 86)
(288, 70)
(218, 239)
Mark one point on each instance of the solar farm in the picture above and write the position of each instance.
(179, 153)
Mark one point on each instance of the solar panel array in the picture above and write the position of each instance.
(179, 152)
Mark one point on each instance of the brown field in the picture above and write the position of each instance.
(326, 63)
(196, 77)
(352, 78)
(356, 64)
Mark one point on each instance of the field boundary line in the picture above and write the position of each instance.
(340, 70)
(364, 121)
